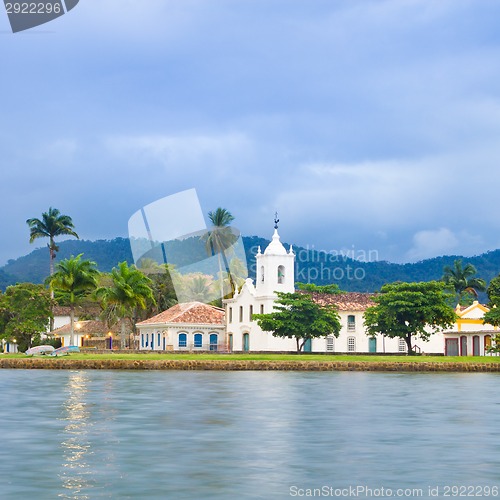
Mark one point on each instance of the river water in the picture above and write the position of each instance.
(230, 435)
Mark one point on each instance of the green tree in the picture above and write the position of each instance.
(493, 291)
(218, 240)
(463, 281)
(298, 316)
(129, 289)
(164, 293)
(407, 310)
(73, 281)
(52, 224)
(25, 311)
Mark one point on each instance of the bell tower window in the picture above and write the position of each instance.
(262, 274)
(281, 274)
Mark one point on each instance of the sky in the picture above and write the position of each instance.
(369, 125)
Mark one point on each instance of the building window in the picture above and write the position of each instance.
(142, 339)
(198, 340)
(351, 322)
(241, 314)
(281, 274)
(182, 339)
(262, 274)
(159, 340)
(402, 345)
(214, 340)
(262, 309)
(230, 315)
(250, 313)
(351, 344)
(330, 343)
(487, 344)
(147, 339)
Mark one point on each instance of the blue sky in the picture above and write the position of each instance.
(370, 123)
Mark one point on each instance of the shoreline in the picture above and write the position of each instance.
(243, 365)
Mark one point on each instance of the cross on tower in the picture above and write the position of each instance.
(276, 220)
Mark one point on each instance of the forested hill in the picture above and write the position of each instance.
(311, 266)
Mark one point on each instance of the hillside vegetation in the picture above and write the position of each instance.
(311, 266)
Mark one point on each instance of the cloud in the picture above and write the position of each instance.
(190, 152)
(430, 243)
(435, 242)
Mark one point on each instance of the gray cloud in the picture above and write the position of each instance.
(372, 124)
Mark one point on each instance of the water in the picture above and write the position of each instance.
(203, 435)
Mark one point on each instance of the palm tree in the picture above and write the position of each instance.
(129, 289)
(74, 280)
(219, 239)
(52, 224)
(462, 280)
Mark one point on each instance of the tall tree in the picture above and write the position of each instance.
(25, 310)
(493, 291)
(297, 315)
(52, 224)
(407, 310)
(492, 317)
(74, 280)
(218, 240)
(129, 289)
(463, 281)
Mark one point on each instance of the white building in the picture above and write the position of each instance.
(275, 273)
(191, 326)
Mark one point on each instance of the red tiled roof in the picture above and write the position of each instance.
(87, 328)
(347, 301)
(65, 310)
(190, 312)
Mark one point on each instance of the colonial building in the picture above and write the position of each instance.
(191, 326)
(470, 337)
(89, 333)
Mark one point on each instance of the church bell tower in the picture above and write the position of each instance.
(275, 267)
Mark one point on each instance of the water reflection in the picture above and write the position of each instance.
(76, 444)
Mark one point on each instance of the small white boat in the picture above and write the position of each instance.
(62, 351)
(40, 350)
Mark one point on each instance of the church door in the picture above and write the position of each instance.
(307, 346)
(372, 345)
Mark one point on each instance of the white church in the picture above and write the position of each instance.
(275, 272)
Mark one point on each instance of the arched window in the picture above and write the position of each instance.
(351, 344)
(487, 343)
(198, 340)
(262, 274)
(281, 274)
(351, 322)
(402, 345)
(330, 343)
(214, 340)
(182, 339)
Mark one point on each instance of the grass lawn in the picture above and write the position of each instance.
(278, 357)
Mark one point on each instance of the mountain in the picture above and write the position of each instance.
(357, 275)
